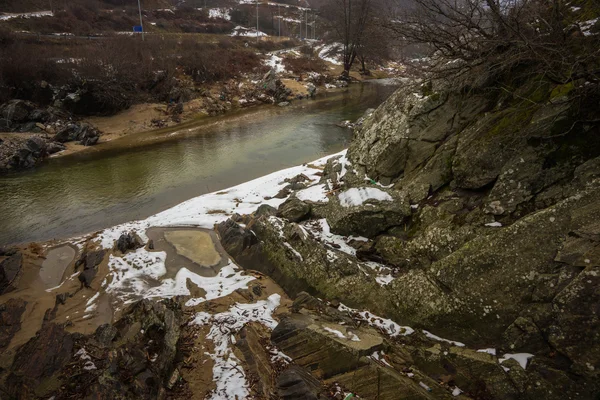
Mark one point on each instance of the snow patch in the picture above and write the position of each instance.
(315, 193)
(521, 358)
(388, 326)
(440, 339)
(228, 374)
(357, 196)
(223, 13)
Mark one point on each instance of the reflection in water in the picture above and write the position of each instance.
(92, 190)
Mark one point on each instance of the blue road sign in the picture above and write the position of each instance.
(137, 28)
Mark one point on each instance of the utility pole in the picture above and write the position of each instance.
(141, 23)
(279, 10)
(307, 34)
(256, 21)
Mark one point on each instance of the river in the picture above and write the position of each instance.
(142, 174)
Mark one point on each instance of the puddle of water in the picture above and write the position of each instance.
(198, 246)
(54, 266)
(196, 249)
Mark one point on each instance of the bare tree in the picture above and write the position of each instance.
(500, 35)
(376, 46)
(347, 21)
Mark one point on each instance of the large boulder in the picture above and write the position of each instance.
(366, 211)
(15, 112)
(273, 87)
(294, 210)
(406, 130)
(90, 261)
(128, 241)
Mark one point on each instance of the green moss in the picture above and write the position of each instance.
(562, 90)
(512, 121)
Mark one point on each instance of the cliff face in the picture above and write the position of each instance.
(481, 213)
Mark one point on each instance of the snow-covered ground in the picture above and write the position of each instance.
(329, 52)
(134, 275)
(223, 13)
(275, 62)
(7, 16)
(247, 32)
(228, 372)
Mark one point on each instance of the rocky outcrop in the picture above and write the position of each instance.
(479, 221)
(44, 132)
(132, 359)
(128, 241)
(83, 133)
(274, 88)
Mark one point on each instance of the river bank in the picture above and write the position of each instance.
(143, 173)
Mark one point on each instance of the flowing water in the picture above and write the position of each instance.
(142, 174)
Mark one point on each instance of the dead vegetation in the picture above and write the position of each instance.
(109, 75)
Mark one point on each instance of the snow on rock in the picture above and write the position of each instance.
(335, 332)
(84, 356)
(357, 196)
(315, 193)
(388, 326)
(488, 351)
(380, 356)
(131, 275)
(494, 224)
(229, 279)
(322, 232)
(344, 164)
(228, 373)
(440, 339)
(521, 358)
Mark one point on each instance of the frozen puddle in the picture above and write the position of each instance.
(54, 266)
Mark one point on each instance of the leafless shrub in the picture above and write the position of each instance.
(522, 38)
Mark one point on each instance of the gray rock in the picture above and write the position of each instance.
(265, 210)
(294, 210)
(128, 241)
(295, 383)
(370, 218)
